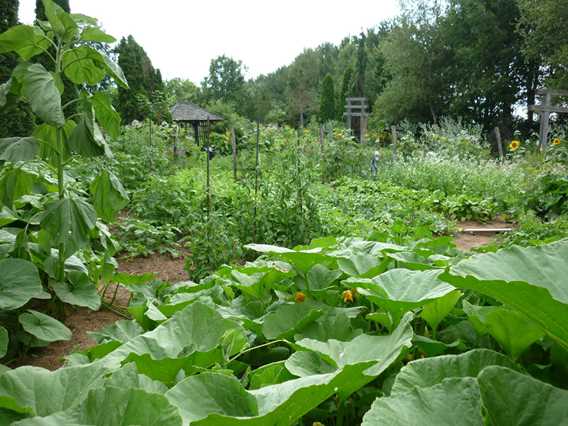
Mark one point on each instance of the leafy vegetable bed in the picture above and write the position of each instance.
(340, 332)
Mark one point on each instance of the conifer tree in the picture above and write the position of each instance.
(346, 89)
(327, 100)
(15, 120)
(144, 81)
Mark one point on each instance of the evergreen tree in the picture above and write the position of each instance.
(327, 100)
(346, 90)
(361, 65)
(144, 81)
(40, 11)
(15, 119)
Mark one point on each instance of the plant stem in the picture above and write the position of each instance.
(61, 190)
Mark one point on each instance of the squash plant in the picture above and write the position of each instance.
(51, 239)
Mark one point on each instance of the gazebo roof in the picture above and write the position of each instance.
(186, 111)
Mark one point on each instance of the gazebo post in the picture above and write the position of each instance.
(196, 131)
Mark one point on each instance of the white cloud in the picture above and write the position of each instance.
(181, 37)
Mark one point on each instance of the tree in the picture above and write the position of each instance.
(361, 65)
(327, 100)
(542, 26)
(182, 90)
(15, 119)
(40, 10)
(225, 81)
(346, 91)
(144, 80)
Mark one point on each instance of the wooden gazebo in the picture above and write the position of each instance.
(186, 114)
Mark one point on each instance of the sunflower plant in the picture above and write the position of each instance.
(48, 228)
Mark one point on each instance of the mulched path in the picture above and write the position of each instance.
(83, 320)
(467, 241)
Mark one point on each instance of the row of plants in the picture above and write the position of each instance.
(55, 246)
(342, 331)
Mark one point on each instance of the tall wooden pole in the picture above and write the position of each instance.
(234, 146)
(256, 178)
(499, 143)
(394, 141)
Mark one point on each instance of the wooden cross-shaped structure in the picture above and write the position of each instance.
(546, 108)
(357, 108)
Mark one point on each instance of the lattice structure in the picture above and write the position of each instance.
(547, 107)
(357, 116)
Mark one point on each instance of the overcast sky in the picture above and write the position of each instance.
(182, 36)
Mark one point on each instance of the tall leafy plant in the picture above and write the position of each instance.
(49, 228)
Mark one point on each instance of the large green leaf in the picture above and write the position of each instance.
(428, 372)
(302, 260)
(43, 326)
(269, 374)
(504, 325)
(87, 139)
(96, 34)
(530, 280)
(18, 149)
(512, 398)
(105, 113)
(47, 135)
(114, 406)
(362, 359)
(69, 222)
(25, 40)
(109, 196)
(121, 331)
(288, 319)
(435, 311)
(40, 89)
(211, 399)
(191, 335)
(453, 402)
(400, 290)
(20, 282)
(86, 65)
(40, 392)
(80, 291)
(61, 21)
(80, 66)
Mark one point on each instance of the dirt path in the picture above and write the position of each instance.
(466, 241)
(81, 321)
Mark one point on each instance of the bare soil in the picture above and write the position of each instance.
(81, 321)
(467, 241)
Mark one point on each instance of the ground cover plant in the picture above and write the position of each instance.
(338, 332)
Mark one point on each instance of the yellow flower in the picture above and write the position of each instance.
(514, 145)
(347, 296)
(555, 141)
(299, 297)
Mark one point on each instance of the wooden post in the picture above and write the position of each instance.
(176, 141)
(234, 145)
(363, 127)
(394, 141)
(321, 137)
(257, 178)
(544, 121)
(207, 151)
(499, 143)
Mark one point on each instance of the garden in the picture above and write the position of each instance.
(267, 273)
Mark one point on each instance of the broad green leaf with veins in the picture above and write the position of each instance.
(19, 284)
(25, 40)
(43, 326)
(431, 371)
(400, 290)
(453, 402)
(530, 280)
(40, 89)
